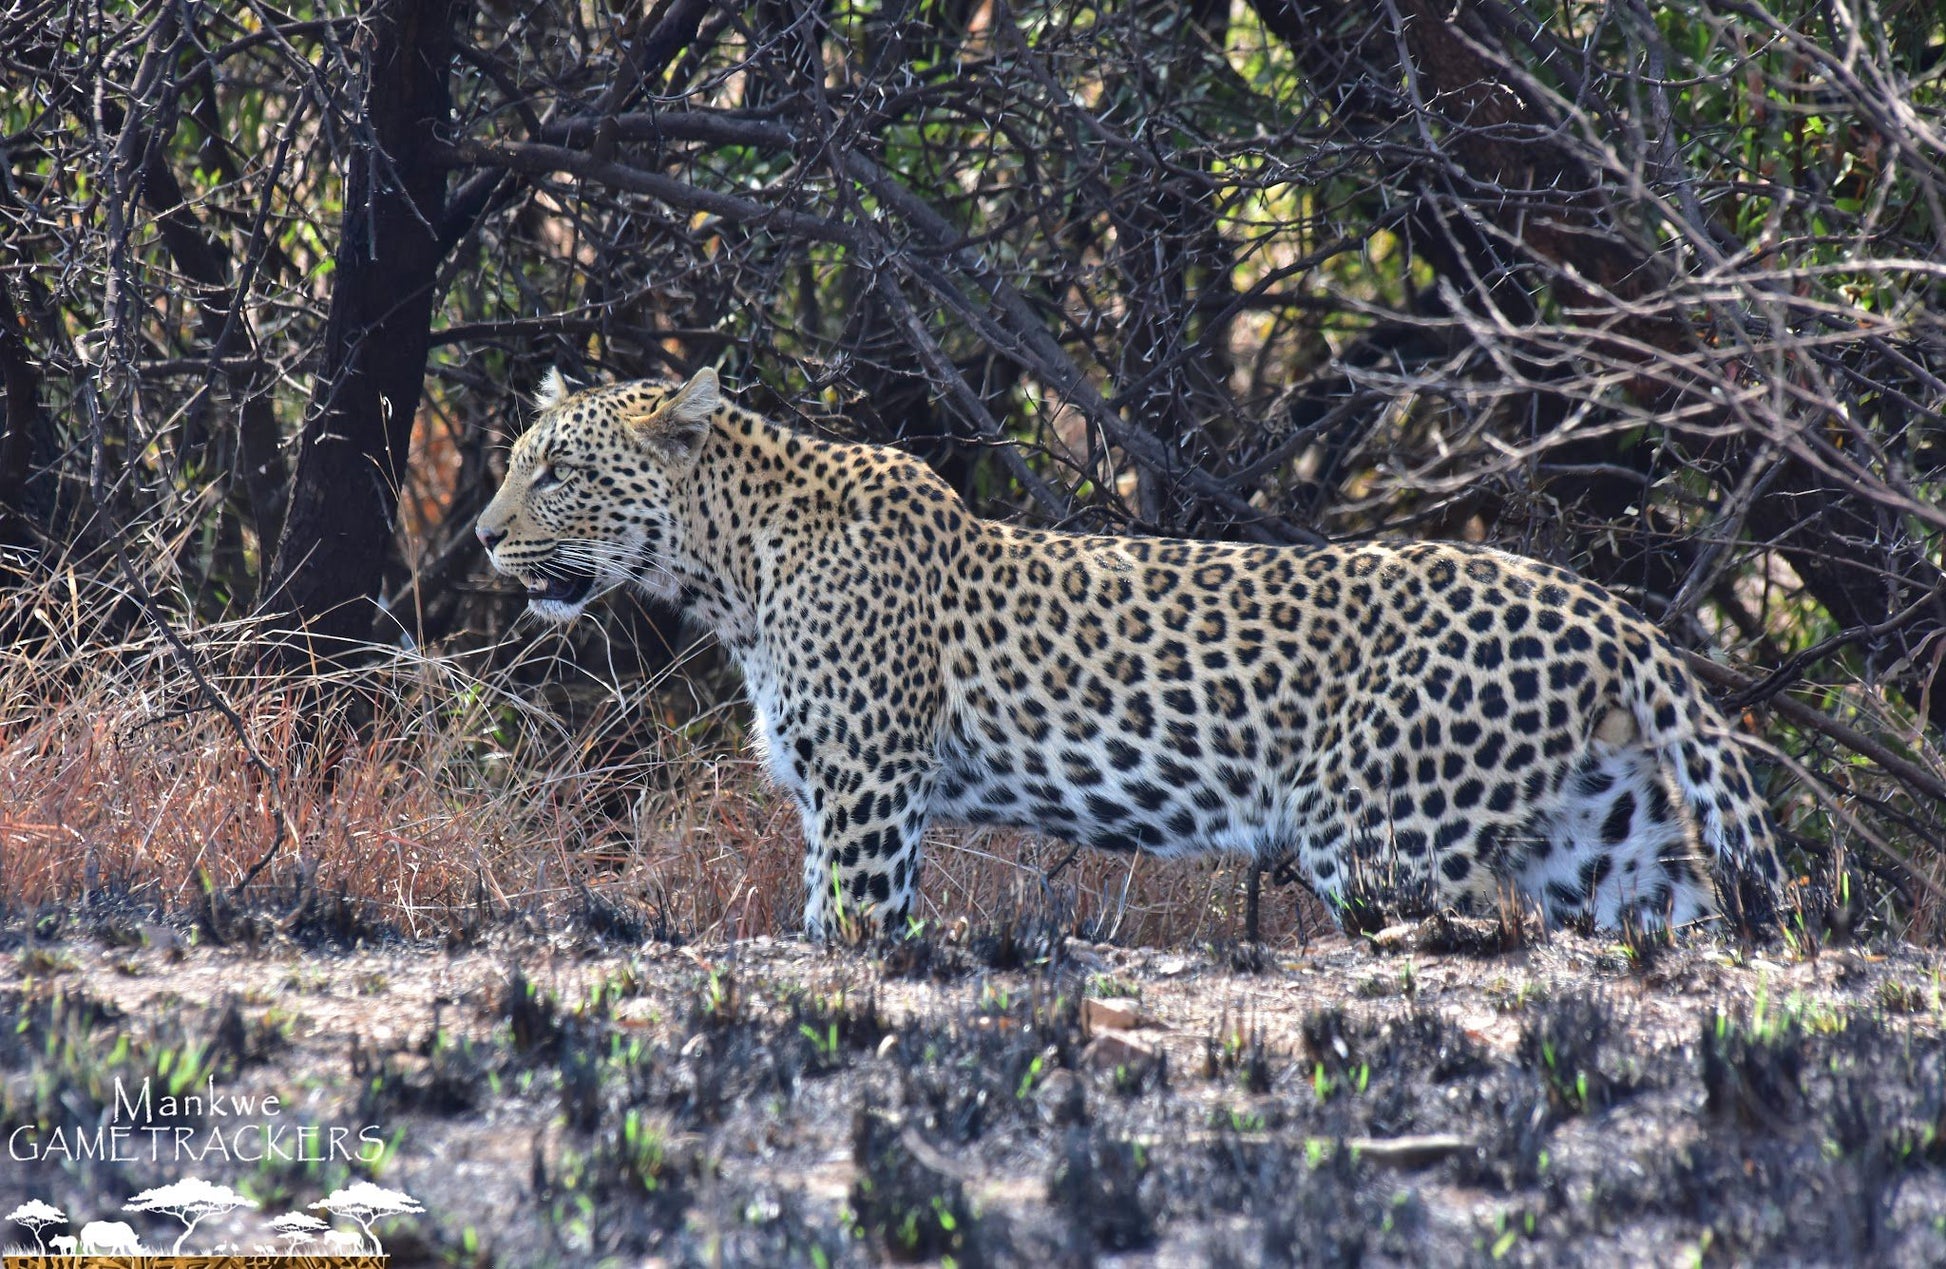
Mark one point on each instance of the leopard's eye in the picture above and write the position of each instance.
(546, 476)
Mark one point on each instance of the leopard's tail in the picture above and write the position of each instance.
(1704, 758)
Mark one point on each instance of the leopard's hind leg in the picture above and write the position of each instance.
(1618, 845)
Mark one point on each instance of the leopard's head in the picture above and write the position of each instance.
(589, 503)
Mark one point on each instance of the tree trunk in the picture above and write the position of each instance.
(23, 430)
(352, 454)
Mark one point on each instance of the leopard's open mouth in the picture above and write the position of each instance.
(560, 590)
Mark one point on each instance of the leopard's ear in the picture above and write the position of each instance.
(553, 390)
(678, 427)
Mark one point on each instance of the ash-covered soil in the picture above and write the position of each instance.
(1009, 1097)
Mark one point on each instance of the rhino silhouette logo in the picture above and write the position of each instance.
(109, 1238)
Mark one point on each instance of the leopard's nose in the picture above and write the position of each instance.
(489, 538)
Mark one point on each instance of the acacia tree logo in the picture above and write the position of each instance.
(364, 1202)
(36, 1215)
(189, 1201)
(298, 1229)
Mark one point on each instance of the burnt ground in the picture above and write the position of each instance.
(1007, 1097)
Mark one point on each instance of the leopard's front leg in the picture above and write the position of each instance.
(862, 829)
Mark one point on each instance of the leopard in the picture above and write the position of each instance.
(1442, 718)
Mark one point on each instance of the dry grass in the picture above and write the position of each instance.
(119, 780)
(511, 782)
(461, 793)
